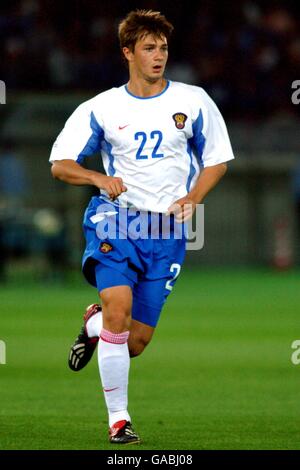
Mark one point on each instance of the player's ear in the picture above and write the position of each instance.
(128, 54)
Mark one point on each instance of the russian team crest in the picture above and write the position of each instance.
(105, 247)
(179, 119)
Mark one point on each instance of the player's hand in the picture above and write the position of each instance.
(114, 186)
(182, 209)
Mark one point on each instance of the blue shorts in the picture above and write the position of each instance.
(144, 252)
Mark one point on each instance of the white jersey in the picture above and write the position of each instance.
(157, 145)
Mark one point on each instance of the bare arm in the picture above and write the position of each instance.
(184, 207)
(71, 172)
(207, 180)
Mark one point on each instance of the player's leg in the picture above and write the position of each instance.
(139, 337)
(116, 308)
(113, 353)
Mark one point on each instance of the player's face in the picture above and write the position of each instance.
(149, 58)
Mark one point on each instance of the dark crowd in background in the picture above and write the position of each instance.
(245, 54)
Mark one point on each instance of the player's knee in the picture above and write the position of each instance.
(116, 313)
(116, 316)
(137, 346)
(117, 319)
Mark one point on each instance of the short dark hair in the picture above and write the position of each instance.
(141, 22)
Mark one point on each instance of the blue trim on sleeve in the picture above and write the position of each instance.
(93, 145)
(198, 140)
(108, 150)
(192, 168)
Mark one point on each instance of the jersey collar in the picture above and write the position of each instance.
(148, 97)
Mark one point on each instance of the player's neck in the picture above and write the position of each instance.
(146, 89)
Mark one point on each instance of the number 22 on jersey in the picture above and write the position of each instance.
(141, 136)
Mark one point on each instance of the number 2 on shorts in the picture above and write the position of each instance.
(175, 267)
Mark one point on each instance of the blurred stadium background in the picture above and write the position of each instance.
(246, 54)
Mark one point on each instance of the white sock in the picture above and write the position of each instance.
(94, 325)
(113, 360)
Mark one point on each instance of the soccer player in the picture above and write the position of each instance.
(164, 146)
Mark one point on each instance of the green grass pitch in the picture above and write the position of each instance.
(217, 375)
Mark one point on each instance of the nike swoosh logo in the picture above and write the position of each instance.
(123, 127)
(110, 389)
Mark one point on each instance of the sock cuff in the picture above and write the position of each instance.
(114, 338)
